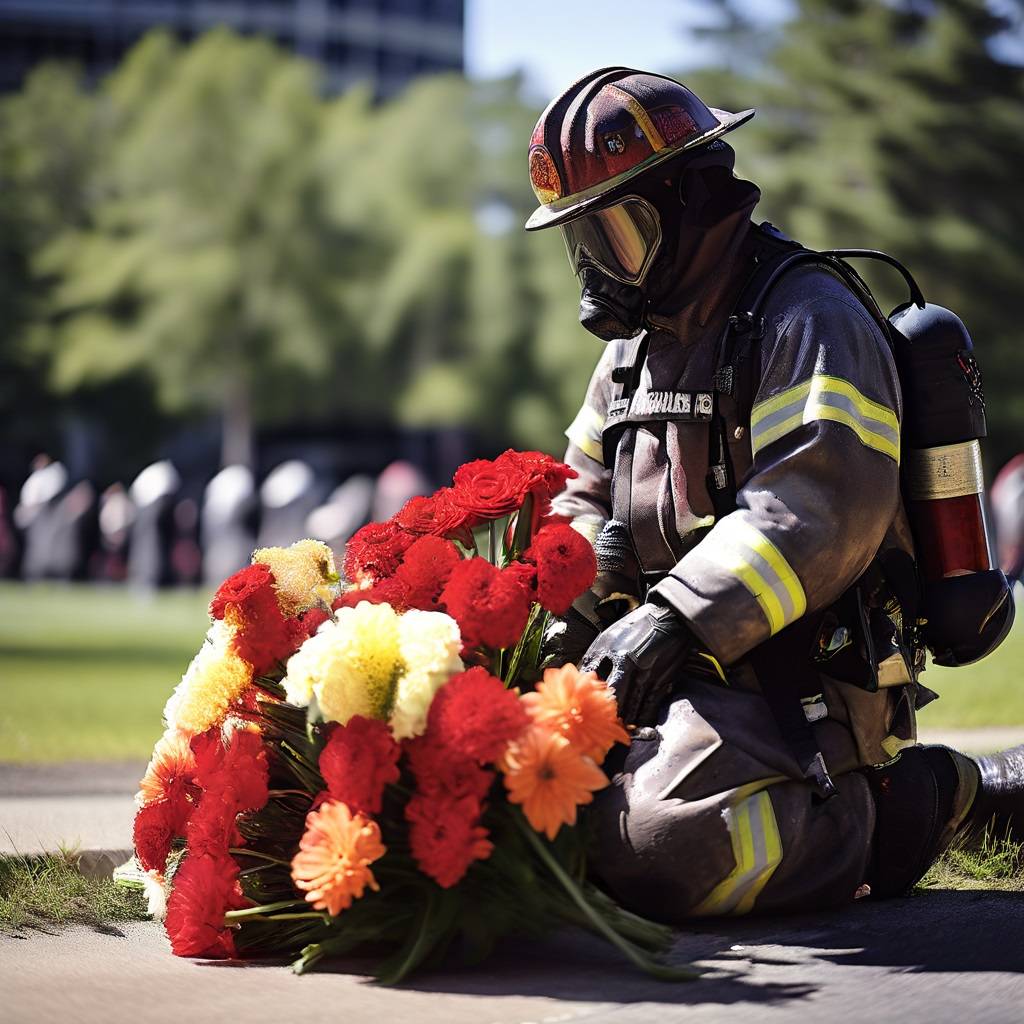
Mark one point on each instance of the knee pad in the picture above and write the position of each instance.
(914, 801)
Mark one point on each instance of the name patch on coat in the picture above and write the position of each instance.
(669, 405)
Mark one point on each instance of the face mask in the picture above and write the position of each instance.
(610, 309)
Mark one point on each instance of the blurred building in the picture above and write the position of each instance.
(384, 42)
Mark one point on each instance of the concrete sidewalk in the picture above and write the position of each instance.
(89, 807)
(939, 957)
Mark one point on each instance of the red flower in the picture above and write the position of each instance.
(154, 829)
(246, 584)
(212, 830)
(373, 553)
(439, 515)
(358, 761)
(490, 606)
(204, 889)
(237, 770)
(566, 566)
(311, 621)
(445, 836)
(392, 591)
(525, 574)
(474, 714)
(547, 476)
(445, 771)
(263, 636)
(425, 570)
(490, 489)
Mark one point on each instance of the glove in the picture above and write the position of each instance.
(639, 656)
(567, 638)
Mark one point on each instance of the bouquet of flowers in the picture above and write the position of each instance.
(384, 767)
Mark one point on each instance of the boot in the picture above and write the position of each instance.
(999, 804)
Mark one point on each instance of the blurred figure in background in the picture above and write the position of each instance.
(154, 493)
(36, 514)
(343, 513)
(75, 533)
(186, 558)
(399, 482)
(227, 523)
(287, 497)
(1007, 499)
(117, 513)
(8, 539)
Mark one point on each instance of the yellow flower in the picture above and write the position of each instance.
(300, 571)
(351, 665)
(430, 645)
(212, 683)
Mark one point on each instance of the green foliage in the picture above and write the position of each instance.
(895, 125)
(208, 230)
(85, 672)
(39, 892)
(991, 862)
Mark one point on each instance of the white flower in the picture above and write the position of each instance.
(155, 889)
(350, 665)
(430, 645)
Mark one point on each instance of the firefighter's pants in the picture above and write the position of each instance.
(708, 813)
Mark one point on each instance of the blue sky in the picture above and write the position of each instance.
(556, 41)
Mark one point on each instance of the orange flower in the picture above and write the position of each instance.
(332, 865)
(170, 770)
(550, 778)
(580, 707)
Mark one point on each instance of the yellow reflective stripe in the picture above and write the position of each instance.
(739, 548)
(757, 852)
(585, 433)
(825, 397)
(587, 527)
(641, 117)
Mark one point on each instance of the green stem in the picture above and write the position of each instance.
(663, 972)
(417, 950)
(279, 917)
(492, 544)
(264, 909)
(240, 852)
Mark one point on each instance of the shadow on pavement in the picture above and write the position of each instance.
(941, 930)
(935, 931)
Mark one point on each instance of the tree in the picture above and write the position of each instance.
(205, 261)
(899, 126)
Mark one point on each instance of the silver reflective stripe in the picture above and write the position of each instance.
(743, 551)
(825, 397)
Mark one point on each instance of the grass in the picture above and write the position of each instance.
(40, 892)
(85, 672)
(988, 693)
(994, 863)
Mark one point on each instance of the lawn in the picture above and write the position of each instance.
(85, 671)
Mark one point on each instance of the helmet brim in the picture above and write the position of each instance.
(580, 203)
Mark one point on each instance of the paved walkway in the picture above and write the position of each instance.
(941, 956)
(935, 958)
(90, 806)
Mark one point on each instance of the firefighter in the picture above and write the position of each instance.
(741, 544)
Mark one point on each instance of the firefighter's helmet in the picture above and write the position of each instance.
(605, 130)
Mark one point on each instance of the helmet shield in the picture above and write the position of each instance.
(620, 241)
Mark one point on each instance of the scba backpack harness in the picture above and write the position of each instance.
(949, 599)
